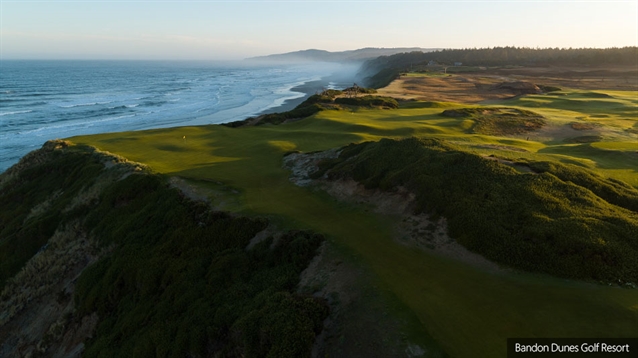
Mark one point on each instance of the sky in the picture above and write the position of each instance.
(229, 30)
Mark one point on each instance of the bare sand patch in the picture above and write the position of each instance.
(451, 88)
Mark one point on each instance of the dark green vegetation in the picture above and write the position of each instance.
(383, 77)
(328, 99)
(368, 101)
(548, 89)
(303, 110)
(32, 202)
(584, 126)
(584, 139)
(179, 279)
(383, 70)
(182, 281)
(499, 121)
(560, 219)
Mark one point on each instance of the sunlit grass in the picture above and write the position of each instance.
(469, 311)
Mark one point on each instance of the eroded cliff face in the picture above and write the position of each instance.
(418, 230)
(98, 255)
(492, 207)
(46, 245)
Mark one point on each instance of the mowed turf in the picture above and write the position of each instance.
(470, 312)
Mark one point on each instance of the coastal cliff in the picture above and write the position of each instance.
(102, 256)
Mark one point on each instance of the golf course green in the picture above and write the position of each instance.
(470, 312)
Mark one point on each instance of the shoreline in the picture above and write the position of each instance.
(308, 89)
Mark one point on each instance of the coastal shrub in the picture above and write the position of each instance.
(181, 282)
(549, 88)
(366, 90)
(369, 101)
(562, 219)
(325, 96)
(584, 139)
(499, 121)
(383, 77)
(355, 90)
(584, 126)
(298, 112)
(178, 279)
(320, 102)
(310, 106)
(611, 190)
(47, 180)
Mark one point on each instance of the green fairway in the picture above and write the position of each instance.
(470, 312)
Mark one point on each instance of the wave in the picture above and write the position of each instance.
(154, 103)
(35, 94)
(85, 104)
(73, 125)
(91, 123)
(176, 90)
(38, 103)
(15, 112)
(124, 106)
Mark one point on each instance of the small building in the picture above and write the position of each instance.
(458, 63)
(432, 63)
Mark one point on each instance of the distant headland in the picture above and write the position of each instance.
(359, 55)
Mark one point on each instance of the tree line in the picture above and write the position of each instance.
(386, 66)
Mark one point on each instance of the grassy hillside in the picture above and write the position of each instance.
(174, 279)
(550, 220)
(455, 304)
(33, 199)
(181, 281)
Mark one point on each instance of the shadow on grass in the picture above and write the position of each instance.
(171, 148)
(605, 159)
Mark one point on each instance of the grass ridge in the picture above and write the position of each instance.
(561, 220)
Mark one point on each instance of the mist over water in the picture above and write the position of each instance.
(43, 100)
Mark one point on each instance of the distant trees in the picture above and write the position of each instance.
(384, 69)
(500, 56)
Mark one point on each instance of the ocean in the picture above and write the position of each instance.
(43, 100)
